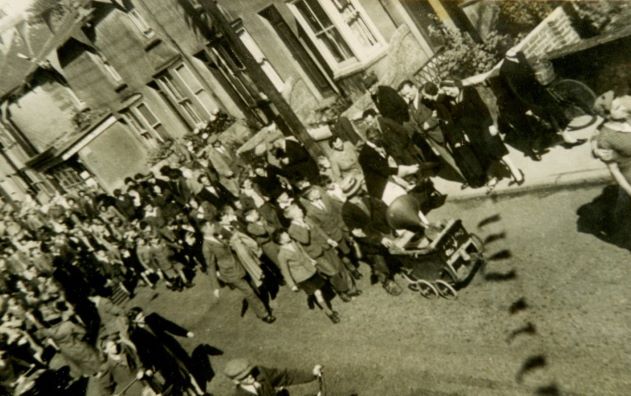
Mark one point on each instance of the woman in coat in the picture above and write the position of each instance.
(300, 272)
(319, 247)
(464, 114)
(80, 356)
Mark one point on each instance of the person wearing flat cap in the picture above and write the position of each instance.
(263, 381)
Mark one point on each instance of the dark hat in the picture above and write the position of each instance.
(238, 369)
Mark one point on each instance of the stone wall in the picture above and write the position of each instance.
(553, 32)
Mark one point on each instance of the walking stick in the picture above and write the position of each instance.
(129, 385)
(322, 391)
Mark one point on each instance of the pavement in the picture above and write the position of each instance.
(558, 168)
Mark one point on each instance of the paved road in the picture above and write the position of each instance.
(573, 284)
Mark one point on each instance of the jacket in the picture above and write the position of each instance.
(271, 380)
(328, 219)
(295, 265)
(219, 257)
(248, 252)
(376, 170)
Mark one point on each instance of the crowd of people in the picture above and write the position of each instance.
(278, 217)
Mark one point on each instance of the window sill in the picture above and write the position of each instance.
(360, 65)
(118, 87)
(151, 42)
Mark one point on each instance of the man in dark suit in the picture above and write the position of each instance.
(157, 350)
(177, 186)
(365, 216)
(424, 120)
(390, 104)
(267, 180)
(381, 171)
(214, 193)
(296, 161)
(262, 381)
(395, 138)
(124, 204)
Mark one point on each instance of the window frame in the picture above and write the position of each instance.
(107, 68)
(146, 131)
(185, 98)
(140, 22)
(362, 57)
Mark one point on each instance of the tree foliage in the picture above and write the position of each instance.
(516, 17)
(462, 57)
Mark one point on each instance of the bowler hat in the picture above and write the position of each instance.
(238, 369)
(350, 185)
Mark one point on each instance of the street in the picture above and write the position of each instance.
(566, 290)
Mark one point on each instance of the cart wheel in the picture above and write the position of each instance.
(426, 289)
(477, 241)
(445, 290)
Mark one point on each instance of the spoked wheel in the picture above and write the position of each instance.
(575, 97)
(445, 290)
(477, 241)
(426, 289)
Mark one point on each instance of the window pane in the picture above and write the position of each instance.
(140, 22)
(319, 12)
(358, 26)
(188, 108)
(144, 110)
(323, 28)
(309, 17)
(172, 89)
(335, 44)
(188, 78)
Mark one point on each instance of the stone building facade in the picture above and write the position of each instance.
(149, 70)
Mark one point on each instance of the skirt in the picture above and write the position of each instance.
(312, 284)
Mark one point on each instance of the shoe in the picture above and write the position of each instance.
(392, 288)
(520, 182)
(345, 297)
(356, 274)
(578, 142)
(334, 317)
(535, 156)
(269, 319)
(355, 293)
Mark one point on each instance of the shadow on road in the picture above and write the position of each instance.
(607, 217)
